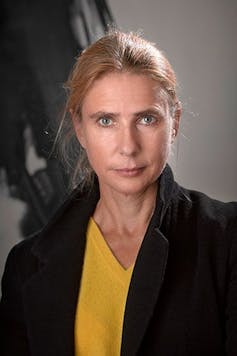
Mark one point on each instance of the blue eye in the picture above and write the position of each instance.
(105, 121)
(147, 120)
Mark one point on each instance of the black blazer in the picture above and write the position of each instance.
(183, 294)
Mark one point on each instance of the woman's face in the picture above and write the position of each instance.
(126, 130)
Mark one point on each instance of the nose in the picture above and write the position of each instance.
(129, 141)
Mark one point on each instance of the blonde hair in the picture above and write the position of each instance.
(115, 52)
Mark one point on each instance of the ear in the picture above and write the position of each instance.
(176, 120)
(78, 127)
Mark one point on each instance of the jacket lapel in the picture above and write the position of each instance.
(148, 274)
(50, 296)
(144, 290)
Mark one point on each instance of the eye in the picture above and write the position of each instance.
(105, 121)
(147, 120)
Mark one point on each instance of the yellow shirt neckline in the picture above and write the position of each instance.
(102, 299)
(105, 250)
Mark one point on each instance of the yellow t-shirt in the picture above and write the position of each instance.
(102, 298)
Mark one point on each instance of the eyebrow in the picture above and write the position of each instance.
(102, 113)
(157, 110)
(152, 111)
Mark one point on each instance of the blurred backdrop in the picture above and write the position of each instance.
(39, 41)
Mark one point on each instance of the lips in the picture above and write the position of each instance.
(130, 172)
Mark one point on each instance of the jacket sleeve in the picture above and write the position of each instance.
(231, 310)
(13, 334)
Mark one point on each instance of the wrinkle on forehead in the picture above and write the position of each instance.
(106, 89)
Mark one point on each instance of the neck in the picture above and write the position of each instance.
(125, 213)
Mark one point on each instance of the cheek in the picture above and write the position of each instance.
(97, 153)
(97, 144)
(160, 143)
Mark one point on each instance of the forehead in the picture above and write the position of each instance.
(120, 91)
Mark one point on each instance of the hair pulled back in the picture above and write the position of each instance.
(115, 52)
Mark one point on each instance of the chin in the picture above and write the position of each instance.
(132, 187)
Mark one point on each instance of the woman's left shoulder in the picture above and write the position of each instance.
(206, 210)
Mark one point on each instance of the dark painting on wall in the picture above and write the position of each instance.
(39, 42)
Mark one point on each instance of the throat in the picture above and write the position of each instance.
(124, 240)
(125, 248)
(123, 223)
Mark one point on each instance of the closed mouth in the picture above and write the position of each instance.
(129, 171)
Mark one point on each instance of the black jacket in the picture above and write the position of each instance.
(183, 294)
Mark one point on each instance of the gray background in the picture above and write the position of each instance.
(199, 39)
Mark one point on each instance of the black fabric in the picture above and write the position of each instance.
(182, 298)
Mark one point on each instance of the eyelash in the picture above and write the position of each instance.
(150, 117)
(153, 120)
(100, 121)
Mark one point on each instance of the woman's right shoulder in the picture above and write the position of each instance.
(28, 254)
(21, 260)
(20, 254)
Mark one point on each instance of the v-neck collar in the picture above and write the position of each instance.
(107, 252)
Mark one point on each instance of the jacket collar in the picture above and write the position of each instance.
(149, 271)
(50, 296)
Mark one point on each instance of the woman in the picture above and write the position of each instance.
(133, 264)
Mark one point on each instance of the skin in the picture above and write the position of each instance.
(127, 131)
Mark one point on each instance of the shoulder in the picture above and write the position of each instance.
(208, 221)
(21, 263)
(28, 254)
(205, 208)
(21, 258)
(193, 208)
(203, 231)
